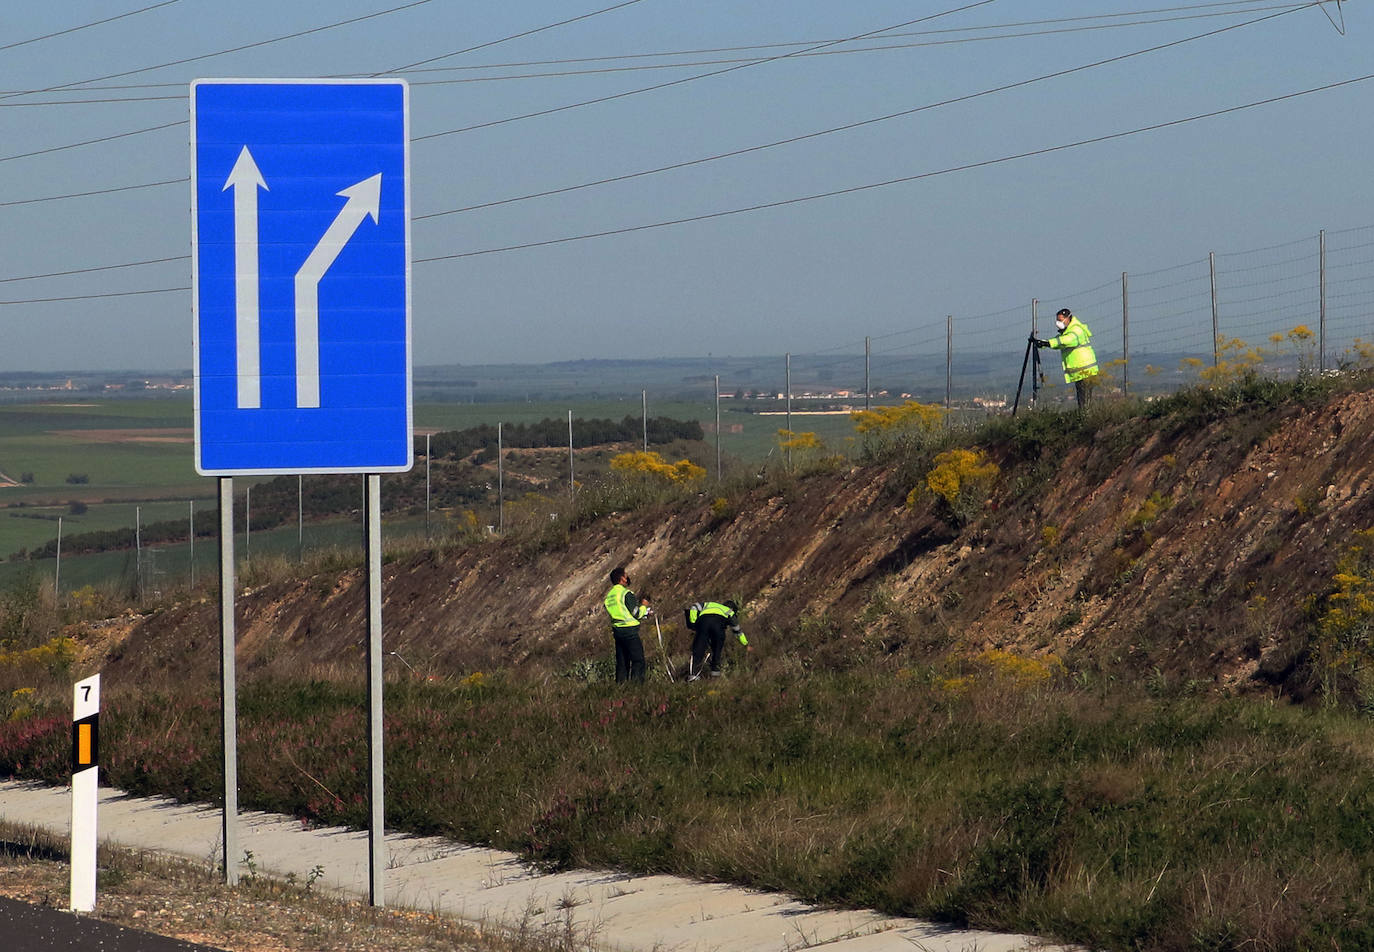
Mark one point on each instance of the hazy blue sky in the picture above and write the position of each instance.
(805, 277)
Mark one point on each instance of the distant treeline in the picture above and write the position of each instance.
(108, 540)
(460, 444)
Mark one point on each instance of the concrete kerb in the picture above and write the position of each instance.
(488, 887)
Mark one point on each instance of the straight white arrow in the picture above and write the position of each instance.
(245, 180)
(364, 200)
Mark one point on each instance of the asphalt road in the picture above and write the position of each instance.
(26, 928)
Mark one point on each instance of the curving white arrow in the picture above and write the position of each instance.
(364, 201)
(245, 180)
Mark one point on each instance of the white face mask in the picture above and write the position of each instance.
(1061, 324)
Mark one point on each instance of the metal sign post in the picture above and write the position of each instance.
(229, 718)
(85, 784)
(300, 210)
(376, 846)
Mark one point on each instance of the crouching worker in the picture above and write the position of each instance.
(626, 609)
(708, 621)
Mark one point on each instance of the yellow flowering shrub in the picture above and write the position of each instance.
(55, 655)
(961, 482)
(652, 465)
(1005, 669)
(911, 415)
(1343, 651)
(788, 440)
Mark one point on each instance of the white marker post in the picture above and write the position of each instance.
(85, 780)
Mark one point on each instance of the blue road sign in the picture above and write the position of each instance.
(300, 208)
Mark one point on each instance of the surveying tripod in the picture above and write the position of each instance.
(1031, 359)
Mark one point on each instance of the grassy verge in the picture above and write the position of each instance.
(1012, 800)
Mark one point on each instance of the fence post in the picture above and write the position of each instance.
(788, 388)
(868, 387)
(1216, 324)
(500, 482)
(572, 485)
(1321, 311)
(644, 415)
(949, 362)
(717, 427)
(1125, 338)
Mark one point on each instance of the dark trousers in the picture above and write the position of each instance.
(1082, 389)
(629, 654)
(710, 634)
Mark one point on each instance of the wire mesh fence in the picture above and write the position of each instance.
(1300, 306)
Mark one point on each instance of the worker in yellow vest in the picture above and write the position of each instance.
(707, 621)
(626, 609)
(1080, 361)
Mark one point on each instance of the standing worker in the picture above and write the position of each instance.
(1080, 362)
(707, 621)
(626, 609)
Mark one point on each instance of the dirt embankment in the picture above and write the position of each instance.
(1154, 547)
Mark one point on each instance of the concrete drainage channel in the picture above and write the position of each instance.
(483, 885)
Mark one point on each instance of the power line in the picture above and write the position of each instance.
(264, 42)
(236, 49)
(690, 79)
(809, 198)
(970, 6)
(84, 26)
(111, 138)
(108, 267)
(514, 36)
(855, 125)
(1251, 7)
(91, 297)
(897, 181)
(99, 191)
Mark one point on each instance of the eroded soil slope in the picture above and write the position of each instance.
(1149, 546)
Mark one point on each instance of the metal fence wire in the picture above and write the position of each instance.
(1300, 306)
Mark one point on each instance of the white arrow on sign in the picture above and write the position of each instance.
(245, 180)
(364, 200)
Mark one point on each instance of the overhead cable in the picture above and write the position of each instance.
(1250, 7)
(690, 79)
(903, 179)
(860, 123)
(514, 36)
(236, 49)
(84, 26)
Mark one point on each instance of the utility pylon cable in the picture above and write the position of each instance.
(865, 122)
(84, 26)
(692, 79)
(903, 179)
(1251, 6)
(820, 195)
(236, 49)
(513, 36)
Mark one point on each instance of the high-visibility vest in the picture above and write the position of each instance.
(620, 615)
(716, 608)
(1080, 361)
